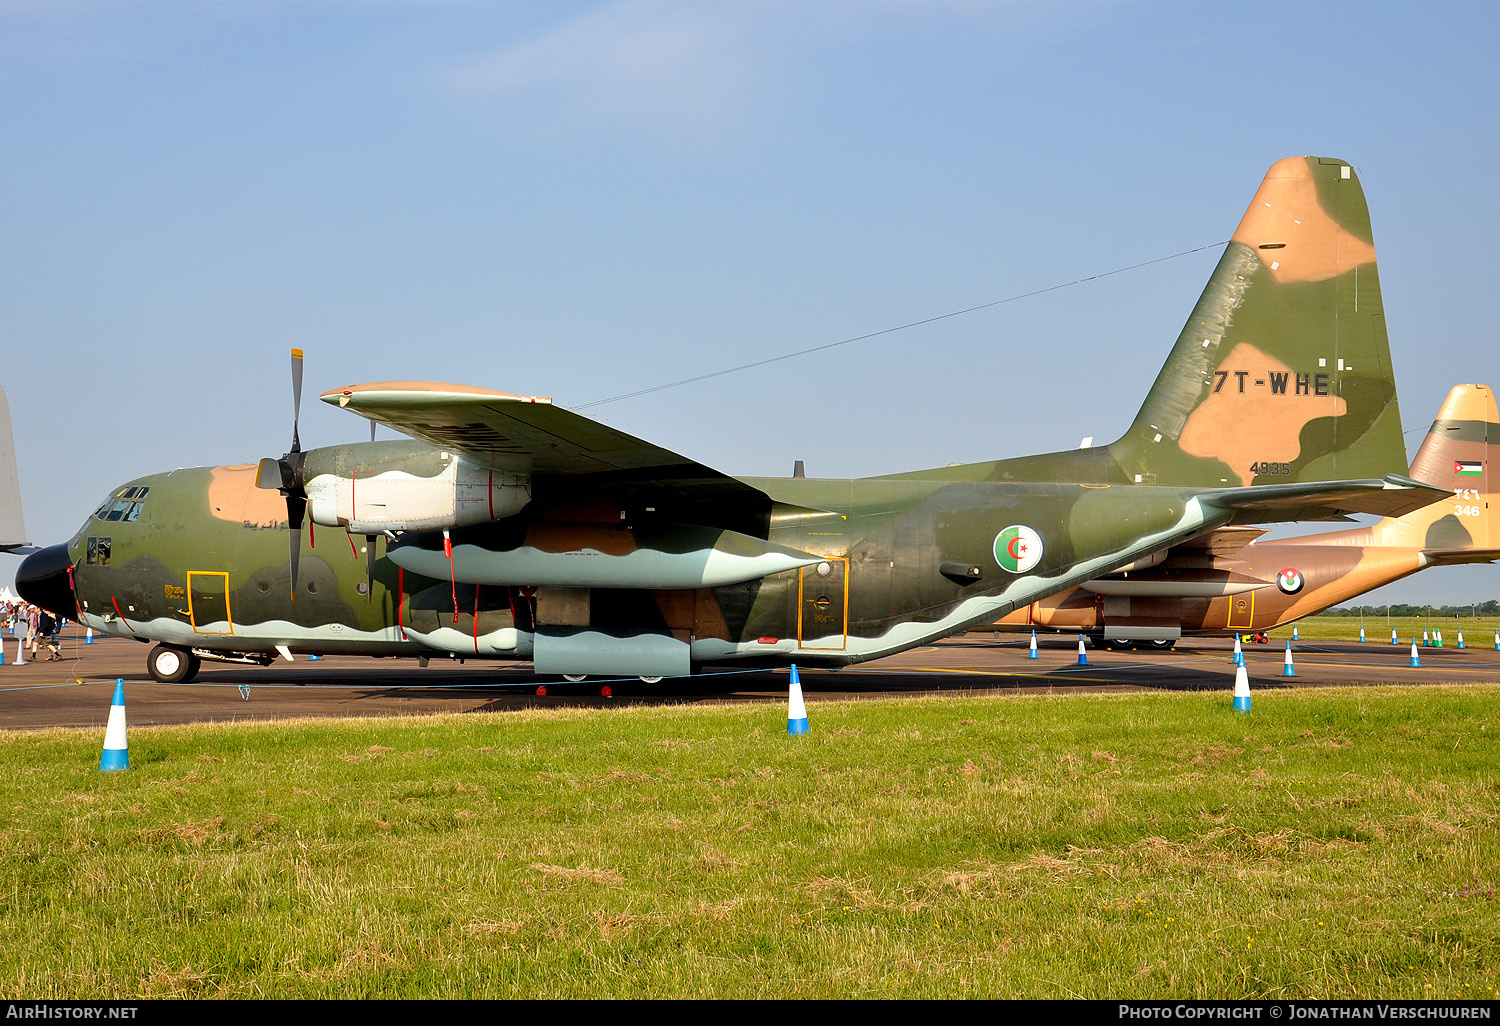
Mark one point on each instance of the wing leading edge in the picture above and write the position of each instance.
(529, 435)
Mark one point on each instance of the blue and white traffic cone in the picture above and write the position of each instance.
(1239, 653)
(88, 636)
(1286, 667)
(1241, 689)
(1460, 639)
(796, 710)
(1294, 633)
(1426, 638)
(1361, 634)
(1083, 659)
(1393, 637)
(1497, 641)
(116, 752)
(1414, 660)
(1032, 652)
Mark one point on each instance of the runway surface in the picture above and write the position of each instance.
(77, 691)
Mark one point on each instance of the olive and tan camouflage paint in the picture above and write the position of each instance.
(1276, 402)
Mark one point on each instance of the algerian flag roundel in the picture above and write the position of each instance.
(1018, 549)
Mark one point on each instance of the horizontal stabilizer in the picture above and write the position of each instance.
(1393, 496)
(1456, 557)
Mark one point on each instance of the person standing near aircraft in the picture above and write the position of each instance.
(33, 628)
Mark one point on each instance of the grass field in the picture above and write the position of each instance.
(1478, 633)
(1331, 843)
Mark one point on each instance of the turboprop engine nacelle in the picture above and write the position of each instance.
(377, 487)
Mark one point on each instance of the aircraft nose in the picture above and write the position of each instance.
(42, 580)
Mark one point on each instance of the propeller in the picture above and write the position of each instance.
(285, 474)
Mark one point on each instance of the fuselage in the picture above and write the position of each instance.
(1305, 575)
(198, 558)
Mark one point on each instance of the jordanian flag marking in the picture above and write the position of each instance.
(1289, 580)
(1018, 549)
(1463, 469)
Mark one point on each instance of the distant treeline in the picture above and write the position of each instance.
(1490, 608)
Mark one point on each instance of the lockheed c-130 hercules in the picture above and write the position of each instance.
(511, 528)
(1229, 582)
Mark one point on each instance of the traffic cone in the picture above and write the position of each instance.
(1437, 638)
(1294, 633)
(1460, 639)
(1239, 653)
(314, 658)
(1286, 667)
(1361, 634)
(116, 752)
(1497, 641)
(1414, 660)
(796, 711)
(1393, 637)
(1426, 638)
(21, 651)
(1083, 659)
(1241, 689)
(88, 636)
(1033, 654)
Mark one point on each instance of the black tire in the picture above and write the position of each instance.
(1163, 643)
(171, 665)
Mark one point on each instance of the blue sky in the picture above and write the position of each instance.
(585, 199)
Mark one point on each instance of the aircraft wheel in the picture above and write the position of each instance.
(650, 680)
(1116, 643)
(574, 678)
(1163, 643)
(171, 665)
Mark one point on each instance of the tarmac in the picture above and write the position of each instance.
(76, 692)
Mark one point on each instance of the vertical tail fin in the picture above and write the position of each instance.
(12, 523)
(1458, 453)
(1283, 371)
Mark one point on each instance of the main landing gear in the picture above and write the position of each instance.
(171, 665)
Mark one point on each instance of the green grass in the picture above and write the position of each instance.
(1332, 843)
(1478, 633)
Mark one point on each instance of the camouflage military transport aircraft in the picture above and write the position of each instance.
(1227, 582)
(512, 528)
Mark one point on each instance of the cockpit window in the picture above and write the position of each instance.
(124, 506)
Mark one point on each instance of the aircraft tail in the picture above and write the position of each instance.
(1457, 454)
(1282, 374)
(12, 523)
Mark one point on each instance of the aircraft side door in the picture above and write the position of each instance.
(208, 602)
(1241, 611)
(823, 606)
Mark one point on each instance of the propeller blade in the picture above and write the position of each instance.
(269, 474)
(296, 397)
(296, 508)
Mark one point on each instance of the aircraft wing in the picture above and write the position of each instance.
(1226, 541)
(1393, 496)
(528, 434)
